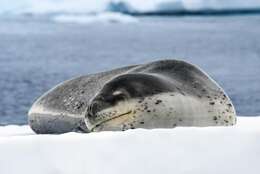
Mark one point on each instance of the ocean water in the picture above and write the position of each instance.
(37, 53)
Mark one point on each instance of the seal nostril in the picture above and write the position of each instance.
(92, 109)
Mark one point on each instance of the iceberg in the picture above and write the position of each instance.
(123, 6)
(188, 150)
(81, 11)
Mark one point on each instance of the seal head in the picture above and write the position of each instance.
(119, 98)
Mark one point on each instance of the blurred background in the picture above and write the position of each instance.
(44, 42)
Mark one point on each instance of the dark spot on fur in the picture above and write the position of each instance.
(141, 122)
(215, 118)
(180, 119)
(158, 101)
(180, 91)
(148, 111)
(226, 121)
(174, 125)
(211, 103)
(229, 105)
(132, 126)
(78, 105)
(82, 91)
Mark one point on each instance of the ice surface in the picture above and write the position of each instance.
(192, 150)
(15, 130)
(105, 17)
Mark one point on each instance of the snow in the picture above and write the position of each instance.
(106, 17)
(15, 130)
(186, 150)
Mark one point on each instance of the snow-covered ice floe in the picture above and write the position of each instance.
(191, 150)
(107, 17)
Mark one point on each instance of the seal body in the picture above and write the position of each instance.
(161, 94)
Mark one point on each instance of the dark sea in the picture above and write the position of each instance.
(36, 54)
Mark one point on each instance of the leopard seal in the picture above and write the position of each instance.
(160, 94)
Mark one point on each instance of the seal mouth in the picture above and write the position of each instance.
(109, 119)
